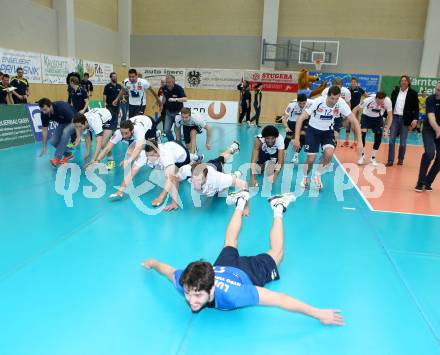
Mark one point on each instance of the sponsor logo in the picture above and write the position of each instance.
(194, 78)
(220, 114)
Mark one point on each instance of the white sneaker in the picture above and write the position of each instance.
(294, 159)
(318, 183)
(305, 182)
(248, 123)
(361, 160)
(237, 174)
(373, 161)
(234, 147)
(233, 197)
(196, 158)
(116, 196)
(283, 200)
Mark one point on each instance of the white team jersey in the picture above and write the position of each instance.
(372, 109)
(294, 110)
(96, 118)
(216, 181)
(195, 119)
(136, 92)
(142, 124)
(345, 94)
(322, 116)
(170, 154)
(278, 145)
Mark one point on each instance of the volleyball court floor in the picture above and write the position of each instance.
(71, 280)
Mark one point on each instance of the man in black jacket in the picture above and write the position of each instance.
(405, 113)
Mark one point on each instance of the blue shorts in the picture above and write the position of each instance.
(373, 123)
(113, 123)
(292, 126)
(316, 138)
(187, 132)
(263, 157)
(260, 268)
(216, 163)
(151, 133)
(188, 157)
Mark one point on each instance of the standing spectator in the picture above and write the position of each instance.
(162, 99)
(1, 76)
(356, 95)
(245, 101)
(405, 113)
(21, 94)
(5, 91)
(137, 100)
(78, 97)
(62, 113)
(87, 84)
(174, 97)
(422, 111)
(111, 92)
(258, 96)
(431, 142)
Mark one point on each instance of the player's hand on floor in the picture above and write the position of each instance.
(330, 317)
(157, 201)
(42, 152)
(171, 207)
(148, 264)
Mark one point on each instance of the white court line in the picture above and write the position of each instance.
(349, 208)
(368, 203)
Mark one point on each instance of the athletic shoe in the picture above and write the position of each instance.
(71, 146)
(353, 145)
(390, 163)
(318, 183)
(111, 165)
(419, 187)
(305, 182)
(361, 160)
(198, 158)
(66, 158)
(116, 196)
(237, 174)
(283, 200)
(249, 123)
(346, 144)
(234, 147)
(55, 162)
(233, 197)
(373, 161)
(294, 159)
(400, 162)
(428, 188)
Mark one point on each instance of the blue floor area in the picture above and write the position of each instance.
(71, 280)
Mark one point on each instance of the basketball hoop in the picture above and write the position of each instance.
(318, 64)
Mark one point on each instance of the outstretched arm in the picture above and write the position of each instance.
(277, 299)
(161, 268)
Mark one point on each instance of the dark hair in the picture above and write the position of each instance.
(185, 110)
(301, 98)
(1, 73)
(132, 71)
(198, 168)
(112, 74)
(407, 78)
(380, 95)
(199, 276)
(44, 102)
(79, 118)
(355, 79)
(74, 80)
(75, 74)
(270, 131)
(19, 68)
(5, 75)
(127, 124)
(334, 90)
(151, 146)
(86, 74)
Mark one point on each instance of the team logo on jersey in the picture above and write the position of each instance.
(336, 111)
(139, 87)
(194, 78)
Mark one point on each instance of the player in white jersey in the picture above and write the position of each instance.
(99, 121)
(373, 109)
(192, 124)
(137, 97)
(346, 96)
(293, 111)
(135, 130)
(268, 147)
(169, 157)
(320, 133)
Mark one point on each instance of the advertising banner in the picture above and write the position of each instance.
(370, 83)
(34, 120)
(55, 69)
(276, 81)
(30, 62)
(220, 79)
(154, 75)
(388, 83)
(215, 111)
(14, 126)
(99, 72)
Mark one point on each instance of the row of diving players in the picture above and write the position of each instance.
(311, 124)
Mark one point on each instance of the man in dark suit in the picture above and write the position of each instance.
(405, 114)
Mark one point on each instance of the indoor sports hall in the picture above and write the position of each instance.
(138, 136)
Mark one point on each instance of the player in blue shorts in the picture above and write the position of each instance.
(235, 281)
(320, 132)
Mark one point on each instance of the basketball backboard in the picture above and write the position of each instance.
(326, 51)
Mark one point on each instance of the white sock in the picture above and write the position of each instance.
(295, 155)
(241, 204)
(278, 211)
(373, 155)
